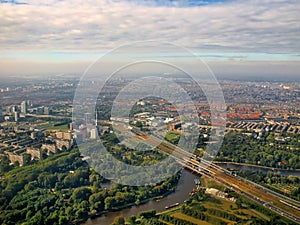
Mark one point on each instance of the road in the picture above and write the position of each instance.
(48, 116)
(276, 202)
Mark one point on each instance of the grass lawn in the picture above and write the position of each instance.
(256, 214)
(51, 126)
(172, 137)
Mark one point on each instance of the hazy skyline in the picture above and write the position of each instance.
(60, 36)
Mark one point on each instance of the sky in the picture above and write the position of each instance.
(65, 36)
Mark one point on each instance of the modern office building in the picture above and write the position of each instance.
(17, 116)
(24, 107)
(88, 118)
(1, 116)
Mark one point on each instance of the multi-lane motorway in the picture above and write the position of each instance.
(276, 202)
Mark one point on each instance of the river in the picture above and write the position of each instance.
(184, 187)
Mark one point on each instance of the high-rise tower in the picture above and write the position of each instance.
(24, 107)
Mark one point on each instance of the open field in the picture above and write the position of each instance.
(210, 209)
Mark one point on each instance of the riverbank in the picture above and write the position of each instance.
(126, 206)
(184, 187)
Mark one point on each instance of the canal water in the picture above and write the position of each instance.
(185, 186)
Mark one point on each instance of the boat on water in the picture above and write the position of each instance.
(171, 206)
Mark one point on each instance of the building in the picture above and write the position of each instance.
(49, 148)
(71, 125)
(88, 118)
(64, 135)
(105, 130)
(59, 135)
(83, 131)
(63, 144)
(94, 133)
(34, 152)
(40, 110)
(1, 116)
(78, 137)
(14, 157)
(174, 126)
(24, 107)
(8, 118)
(68, 136)
(33, 135)
(16, 116)
(47, 111)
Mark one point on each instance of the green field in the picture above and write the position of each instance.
(52, 126)
(209, 209)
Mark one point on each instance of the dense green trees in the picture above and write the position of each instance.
(63, 189)
(265, 151)
(147, 214)
(273, 179)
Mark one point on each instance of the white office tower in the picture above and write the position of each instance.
(87, 117)
(94, 134)
(24, 107)
(1, 116)
(16, 116)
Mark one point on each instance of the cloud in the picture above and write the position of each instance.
(98, 26)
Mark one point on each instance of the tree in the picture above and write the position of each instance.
(132, 220)
(147, 214)
(63, 220)
(119, 220)
(239, 203)
(80, 194)
(109, 203)
(37, 218)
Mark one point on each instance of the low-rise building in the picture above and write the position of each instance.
(35, 153)
(14, 157)
(63, 144)
(50, 148)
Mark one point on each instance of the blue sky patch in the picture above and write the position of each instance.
(13, 2)
(178, 3)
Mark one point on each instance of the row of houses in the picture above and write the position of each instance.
(19, 154)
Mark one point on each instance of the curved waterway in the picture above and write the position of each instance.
(184, 187)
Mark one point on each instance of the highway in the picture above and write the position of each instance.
(276, 202)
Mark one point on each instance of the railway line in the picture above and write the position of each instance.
(276, 202)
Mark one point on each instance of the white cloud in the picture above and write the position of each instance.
(76, 25)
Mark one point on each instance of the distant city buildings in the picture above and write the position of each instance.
(253, 107)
